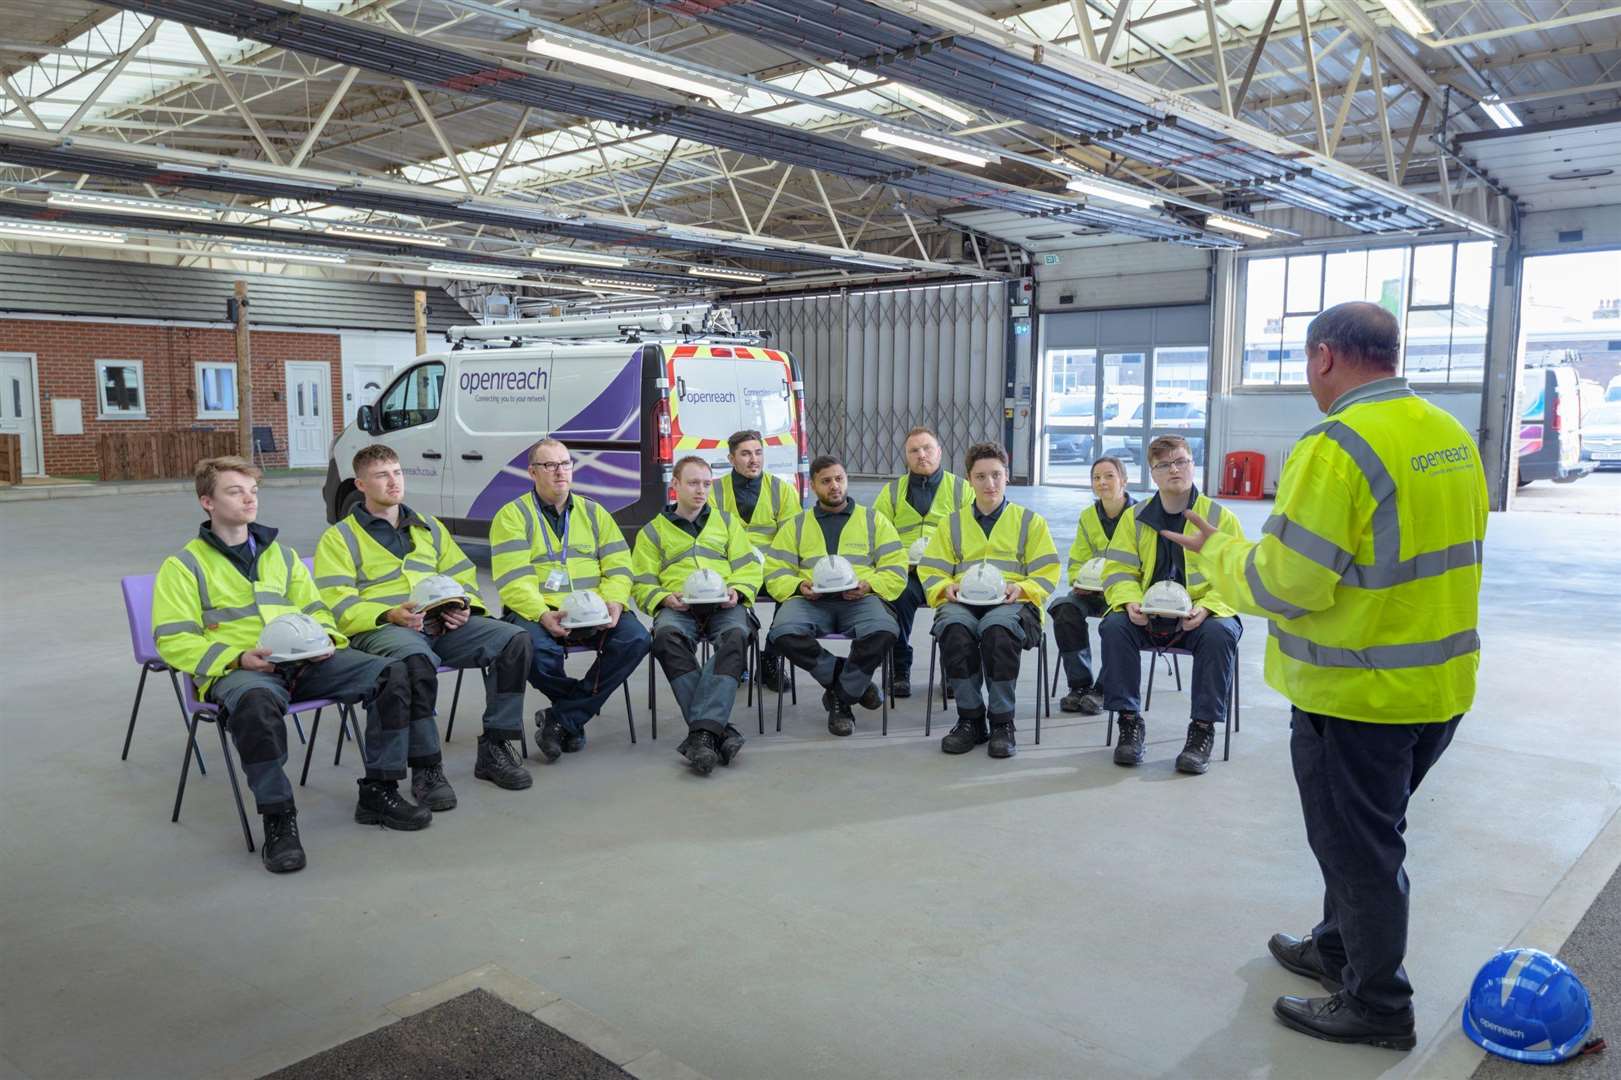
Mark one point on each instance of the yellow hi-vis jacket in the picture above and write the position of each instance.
(1133, 555)
(665, 554)
(361, 580)
(953, 493)
(1369, 568)
(1020, 545)
(206, 614)
(1091, 542)
(778, 504)
(867, 540)
(524, 551)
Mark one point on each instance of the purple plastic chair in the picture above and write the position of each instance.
(138, 610)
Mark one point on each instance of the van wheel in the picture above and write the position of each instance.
(348, 504)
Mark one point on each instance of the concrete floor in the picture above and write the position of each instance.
(855, 908)
(1595, 493)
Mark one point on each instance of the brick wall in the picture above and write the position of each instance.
(68, 352)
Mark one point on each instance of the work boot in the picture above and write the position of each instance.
(699, 750)
(900, 684)
(1300, 955)
(1087, 702)
(969, 733)
(499, 764)
(549, 737)
(1003, 744)
(731, 745)
(1129, 750)
(873, 696)
(430, 788)
(573, 742)
(1195, 755)
(1334, 1019)
(281, 852)
(382, 804)
(771, 673)
(840, 719)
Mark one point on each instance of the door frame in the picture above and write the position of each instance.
(39, 424)
(287, 393)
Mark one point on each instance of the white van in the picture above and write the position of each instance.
(462, 421)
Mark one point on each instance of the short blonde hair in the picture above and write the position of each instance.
(690, 459)
(207, 472)
(548, 441)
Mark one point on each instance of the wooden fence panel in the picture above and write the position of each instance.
(11, 459)
(159, 455)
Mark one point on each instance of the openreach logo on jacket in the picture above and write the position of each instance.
(1445, 460)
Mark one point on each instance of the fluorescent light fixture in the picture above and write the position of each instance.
(67, 234)
(122, 204)
(1410, 16)
(929, 146)
(275, 254)
(614, 285)
(1233, 225)
(1501, 114)
(374, 232)
(932, 103)
(473, 270)
(1099, 190)
(631, 66)
(578, 258)
(724, 275)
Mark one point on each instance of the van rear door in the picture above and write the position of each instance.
(718, 389)
(501, 406)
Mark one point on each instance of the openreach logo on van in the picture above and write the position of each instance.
(505, 387)
(703, 397)
(1443, 461)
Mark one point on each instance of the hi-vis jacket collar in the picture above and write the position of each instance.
(1377, 390)
(261, 535)
(408, 516)
(1154, 515)
(823, 512)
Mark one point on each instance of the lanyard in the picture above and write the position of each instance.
(559, 577)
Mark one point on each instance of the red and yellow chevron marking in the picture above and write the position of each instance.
(689, 442)
(738, 351)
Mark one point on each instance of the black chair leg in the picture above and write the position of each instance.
(1108, 733)
(652, 698)
(630, 714)
(309, 747)
(888, 686)
(1041, 682)
(780, 693)
(1148, 698)
(298, 727)
(928, 709)
(180, 700)
(140, 688)
(185, 763)
(455, 697)
(1176, 666)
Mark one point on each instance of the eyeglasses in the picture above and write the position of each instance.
(1179, 464)
(553, 466)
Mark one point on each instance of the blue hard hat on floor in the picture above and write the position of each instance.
(1528, 1006)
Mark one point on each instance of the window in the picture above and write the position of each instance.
(1441, 293)
(120, 390)
(216, 391)
(413, 399)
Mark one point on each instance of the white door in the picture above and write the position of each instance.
(309, 413)
(18, 408)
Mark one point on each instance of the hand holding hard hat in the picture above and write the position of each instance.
(832, 575)
(704, 587)
(437, 591)
(295, 636)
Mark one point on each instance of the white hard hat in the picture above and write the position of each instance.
(295, 636)
(704, 587)
(983, 584)
(1168, 599)
(437, 590)
(833, 574)
(1090, 576)
(584, 608)
(914, 554)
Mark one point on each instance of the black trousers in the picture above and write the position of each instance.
(905, 607)
(1355, 780)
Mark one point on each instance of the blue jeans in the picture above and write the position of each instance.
(1355, 780)
(619, 650)
(706, 694)
(1215, 652)
(255, 703)
(502, 649)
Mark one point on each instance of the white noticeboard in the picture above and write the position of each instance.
(67, 416)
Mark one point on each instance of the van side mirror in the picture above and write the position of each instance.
(366, 419)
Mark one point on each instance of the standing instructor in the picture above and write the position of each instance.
(1369, 573)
